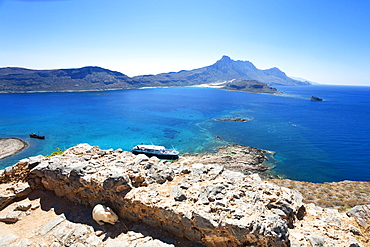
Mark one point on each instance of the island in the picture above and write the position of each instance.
(315, 98)
(233, 119)
(251, 86)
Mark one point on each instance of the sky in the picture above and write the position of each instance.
(323, 41)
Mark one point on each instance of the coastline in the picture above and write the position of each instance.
(11, 146)
(64, 91)
(215, 85)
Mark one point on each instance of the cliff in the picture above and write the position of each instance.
(196, 203)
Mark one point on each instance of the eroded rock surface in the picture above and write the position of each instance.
(214, 207)
(205, 203)
(248, 160)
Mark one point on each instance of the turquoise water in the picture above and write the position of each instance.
(313, 141)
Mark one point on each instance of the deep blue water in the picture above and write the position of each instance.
(314, 141)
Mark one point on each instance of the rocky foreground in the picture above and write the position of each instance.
(160, 203)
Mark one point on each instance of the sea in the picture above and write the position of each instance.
(313, 141)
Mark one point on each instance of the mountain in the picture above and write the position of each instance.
(96, 78)
(223, 70)
(304, 80)
(86, 78)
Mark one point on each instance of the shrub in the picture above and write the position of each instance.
(60, 151)
(324, 203)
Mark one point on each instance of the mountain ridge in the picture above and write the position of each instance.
(94, 78)
(223, 70)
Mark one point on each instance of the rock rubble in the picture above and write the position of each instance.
(54, 221)
(205, 203)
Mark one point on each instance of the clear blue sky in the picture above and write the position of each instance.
(323, 41)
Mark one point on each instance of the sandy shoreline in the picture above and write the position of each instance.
(11, 146)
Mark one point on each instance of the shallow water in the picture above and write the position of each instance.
(313, 141)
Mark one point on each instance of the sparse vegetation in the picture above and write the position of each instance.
(60, 151)
(340, 195)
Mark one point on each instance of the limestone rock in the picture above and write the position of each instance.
(13, 192)
(23, 206)
(206, 203)
(317, 241)
(11, 217)
(177, 194)
(6, 239)
(51, 224)
(361, 213)
(202, 201)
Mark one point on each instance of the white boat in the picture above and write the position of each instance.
(158, 151)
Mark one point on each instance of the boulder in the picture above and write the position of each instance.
(11, 217)
(13, 192)
(177, 194)
(361, 213)
(23, 206)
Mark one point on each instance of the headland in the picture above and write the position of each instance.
(11, 146)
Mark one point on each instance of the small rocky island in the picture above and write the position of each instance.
(234, 119)
(48, 201)
(251, 86)
(315, 98)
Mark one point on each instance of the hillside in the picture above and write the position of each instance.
(95, 78)
(86, 78)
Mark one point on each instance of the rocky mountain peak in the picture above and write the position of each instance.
(275, 71)
(226, 58)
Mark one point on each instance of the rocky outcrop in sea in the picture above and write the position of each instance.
(206, 204)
